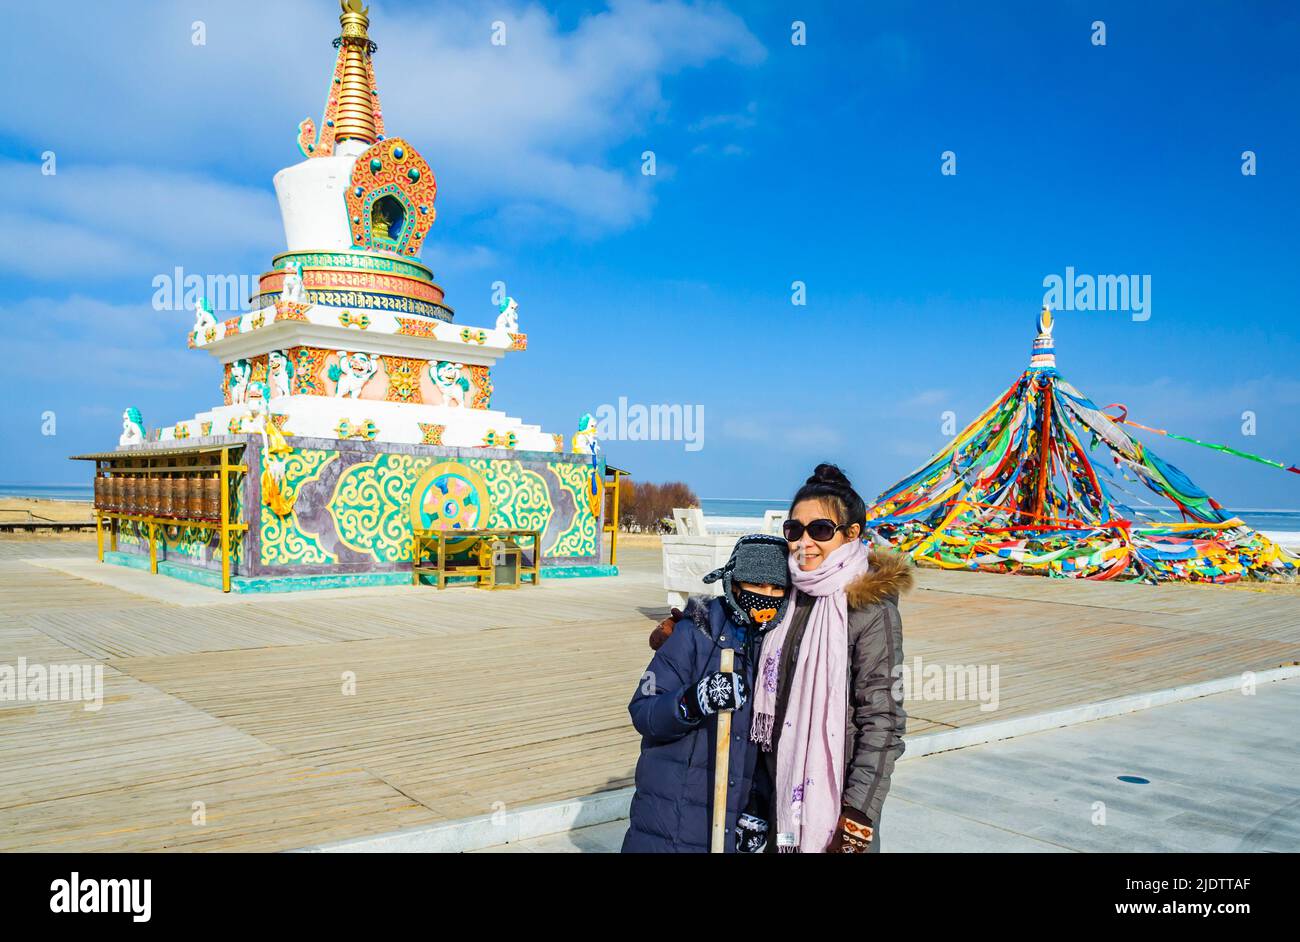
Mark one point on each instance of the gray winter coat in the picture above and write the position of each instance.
(874, 720)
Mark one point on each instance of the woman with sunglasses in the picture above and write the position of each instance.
(825, 714)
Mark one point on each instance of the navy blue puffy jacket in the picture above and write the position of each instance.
(672, 808)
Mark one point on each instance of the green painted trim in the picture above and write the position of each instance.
(362, 260)
(577, 572)
(182, 571)
(342, 580)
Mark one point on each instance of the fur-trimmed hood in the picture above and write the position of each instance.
(890, 576)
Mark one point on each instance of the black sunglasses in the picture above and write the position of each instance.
(820, 530)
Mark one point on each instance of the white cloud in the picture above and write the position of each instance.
(528, 125)
(107, 221)
(92, 345)
(737, 120)
(782, 432)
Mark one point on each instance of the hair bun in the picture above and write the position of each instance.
(829, 474)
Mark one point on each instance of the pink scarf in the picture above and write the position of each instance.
(810, 760)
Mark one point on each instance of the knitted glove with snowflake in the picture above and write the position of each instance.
(751, 834)
(714, 693)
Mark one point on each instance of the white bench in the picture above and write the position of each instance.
(692, 552)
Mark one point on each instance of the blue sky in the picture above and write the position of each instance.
(775, 163)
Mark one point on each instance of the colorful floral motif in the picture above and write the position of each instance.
(403, 379)
(481, 378)
(360, 321)
(307, 364)
(431, 433)
(417, 328)
(391, 168)
(290, 311)
(518, 341)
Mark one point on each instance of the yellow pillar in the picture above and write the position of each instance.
(613, 525)
(99, 536)
(224, 481)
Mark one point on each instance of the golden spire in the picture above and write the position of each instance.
(357, 103)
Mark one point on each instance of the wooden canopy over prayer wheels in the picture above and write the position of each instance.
(175, 487)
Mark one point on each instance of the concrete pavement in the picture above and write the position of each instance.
(1222, 774)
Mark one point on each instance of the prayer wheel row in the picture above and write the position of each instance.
(185, 497)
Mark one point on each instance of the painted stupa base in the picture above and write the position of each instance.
(354, 506)
(372, 420)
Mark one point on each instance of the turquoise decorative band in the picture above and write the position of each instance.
(212, 578)
(359, 260)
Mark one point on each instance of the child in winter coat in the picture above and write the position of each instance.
(681, 693)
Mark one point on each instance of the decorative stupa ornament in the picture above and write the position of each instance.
(352, 111)
(1044, 355)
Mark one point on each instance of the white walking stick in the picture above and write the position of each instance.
(721, 767)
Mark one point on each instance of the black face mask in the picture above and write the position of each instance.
(761, 609)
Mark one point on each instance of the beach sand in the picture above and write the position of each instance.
(19, 509)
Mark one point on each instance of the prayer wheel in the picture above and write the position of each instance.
(153, 494)
(194, 496)
(212, 498)
(130, 492)
(101, 495)
(114, 485)
(166, 488)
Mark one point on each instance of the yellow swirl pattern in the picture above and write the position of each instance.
(520, 499)
(284, 540)
(579, 539)
(371, 505)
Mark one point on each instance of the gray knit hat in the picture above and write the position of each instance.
(759, 558)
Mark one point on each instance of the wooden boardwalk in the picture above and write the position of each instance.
(468, 702)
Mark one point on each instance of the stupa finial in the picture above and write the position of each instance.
(358, 100)
(1045, 320)
(352, 110)
(354, 19)
(1044, 351)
